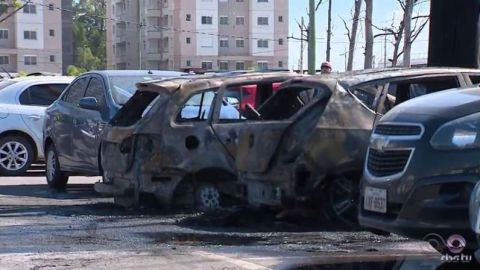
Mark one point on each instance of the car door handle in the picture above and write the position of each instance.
(34, 117)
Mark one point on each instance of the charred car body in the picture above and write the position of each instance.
(171, 140)
(422, 166)
(305, 143)
(318, 155)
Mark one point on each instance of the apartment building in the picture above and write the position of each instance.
(31, 40)
(197, 34)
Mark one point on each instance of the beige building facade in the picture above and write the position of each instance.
(197, 34)
(31, 40)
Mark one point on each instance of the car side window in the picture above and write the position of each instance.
(197, 107)
(408, 89)
(42, 94)
(368, 93)
(475, 79)
(96, 89)
(76, 91)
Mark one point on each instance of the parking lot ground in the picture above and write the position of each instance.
(44, 229)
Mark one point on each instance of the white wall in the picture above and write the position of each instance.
(262, 31)
(207, 45)
(30, 22)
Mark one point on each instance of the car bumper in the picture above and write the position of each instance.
(417, 209)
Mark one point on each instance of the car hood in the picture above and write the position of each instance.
(445, 105)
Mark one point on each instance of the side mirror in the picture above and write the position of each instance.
(89, 103)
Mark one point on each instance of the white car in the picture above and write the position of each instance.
(22, 109)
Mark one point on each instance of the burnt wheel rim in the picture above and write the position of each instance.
(13, 156)
(51, 164)
(209, 196)
(343, 200)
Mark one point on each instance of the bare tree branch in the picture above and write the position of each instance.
(346, 28)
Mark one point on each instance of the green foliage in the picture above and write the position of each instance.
(74, 71)
(5, 4)
(22, 74)
(89, 34)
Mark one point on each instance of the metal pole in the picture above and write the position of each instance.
(385, 51)
(301, 44)
(140, 26)
(311, 39)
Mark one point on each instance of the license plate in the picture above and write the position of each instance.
(375, 200)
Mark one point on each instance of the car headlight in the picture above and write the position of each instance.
(459, 134)
(475, 209)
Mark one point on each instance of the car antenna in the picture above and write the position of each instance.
(7, 73)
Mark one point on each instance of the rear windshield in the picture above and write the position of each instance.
(123, 87)
(134, 109)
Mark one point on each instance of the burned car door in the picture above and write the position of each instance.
(229, 118)
(277, 120)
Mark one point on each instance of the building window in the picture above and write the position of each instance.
(280, 41)
(3, 34)
(280, 64)
(262, 1)
(30, 60)
(207, 20)
(240, 1)
(262, 43)
(30, 35)
(29, 8)
(188, 17)
(207, 65)
(240, 66)
(224, 43)
(52, 58)
(189, 63)
(262, 20)
(188, 40)
(223, 65)
(52, 32)
(280, 18)
(262, 65)
(4, 60)
(240, 20)
(224, 20)
(50, 7)
(240, 43)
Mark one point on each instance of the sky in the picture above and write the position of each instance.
(384, 11)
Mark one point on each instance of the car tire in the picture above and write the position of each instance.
(341, 201)
(16, 155)
(207, 196)
(56, 178)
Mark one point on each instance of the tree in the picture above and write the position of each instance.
(6, 4)
(399, 31)
(74, 71)
(368, 34)
(352, 35)
(89, 34)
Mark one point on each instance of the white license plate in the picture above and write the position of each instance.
(375, 200)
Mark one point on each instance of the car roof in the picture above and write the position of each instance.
(198, 83)
(166, 73)
(353, 78)
(42, 79)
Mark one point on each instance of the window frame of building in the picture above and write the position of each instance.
(188, 63)
(4, 33)
(262, 1)
(262, 43)
(29, 35)
(30, 9)
(223, 20)
(223, 43)
(262, 21)
(207, 20)
(188, 17)
(240, 20)
(264, 65)
(32, 60)
(51, 32)
(280, 18)
(52, 58)
(280, 64)
(223, 65)
(208, 65)
(240, 42)
(51, 7)
(240, 65)
(188, 40)
(4, 60)
(280, 41)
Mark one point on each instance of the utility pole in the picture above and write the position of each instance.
(140, 40)
(329, 29)
(311, 39)
(385, 51)
(301, 45)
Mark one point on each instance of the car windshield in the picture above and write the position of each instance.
(123, 87)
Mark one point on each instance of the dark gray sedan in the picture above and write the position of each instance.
(74, 123)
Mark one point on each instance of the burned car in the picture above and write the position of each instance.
(422, 166)
(177, 139)
(315, 155)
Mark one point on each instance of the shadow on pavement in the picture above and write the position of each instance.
(73, 191)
